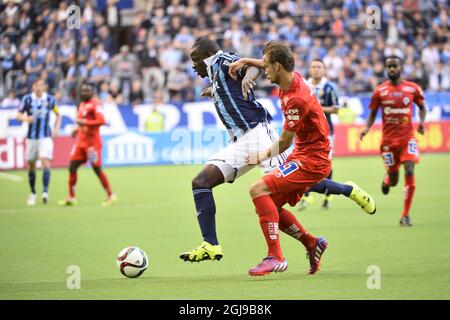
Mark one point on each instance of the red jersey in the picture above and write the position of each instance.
(304, 115)
(89, 133)
(396, 102)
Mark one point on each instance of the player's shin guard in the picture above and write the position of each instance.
(72, 183)
(206, 214)
(410, 187)
(46, 179)
(269, 219)
(291, 226)
(32, 181)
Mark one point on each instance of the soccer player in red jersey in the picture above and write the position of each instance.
(308, 164)
(89, 144)
(395, 97)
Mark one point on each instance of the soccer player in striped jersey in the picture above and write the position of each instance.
(248, 125)
(326, 92)
(35, 109)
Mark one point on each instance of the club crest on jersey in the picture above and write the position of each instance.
(406, 100)
(291, 124)
(384, 92)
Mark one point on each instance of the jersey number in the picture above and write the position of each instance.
(388, 158)
(412, 147)
(287, 168)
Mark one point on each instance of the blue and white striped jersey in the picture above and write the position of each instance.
(238, 115)
(40, 109)
(326, 92)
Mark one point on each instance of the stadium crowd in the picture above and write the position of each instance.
(35, 42)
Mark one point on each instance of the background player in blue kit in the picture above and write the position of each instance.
(326, 92)
(35, 109)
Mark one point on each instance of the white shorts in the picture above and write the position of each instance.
(232, 159)
(39, 149)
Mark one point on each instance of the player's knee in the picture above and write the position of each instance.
(393, 179)
(97, 169)
(201, 182)
(258, 189)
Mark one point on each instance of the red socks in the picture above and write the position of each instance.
(105, 183)
(72, 183)
(291, 226)
(410, 187)
(268, 219)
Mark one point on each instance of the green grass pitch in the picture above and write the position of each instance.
(156, 212)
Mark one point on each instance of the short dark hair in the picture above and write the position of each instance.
(393, 57)
(279, 52)
(206, 45)
(318, 60)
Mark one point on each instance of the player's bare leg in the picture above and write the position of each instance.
(390, 180)
(203, 183)
(111, 197)
(73, 177)
(46, 164)
(409, 189)
(32, 181)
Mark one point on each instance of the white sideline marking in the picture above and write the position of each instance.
(10, 177)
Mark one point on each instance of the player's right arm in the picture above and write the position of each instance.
(22, 115)
(374, 105)
(237, 65)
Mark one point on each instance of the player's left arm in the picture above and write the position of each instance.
(283, 143)
(250, 74)
(419, 100)
(58, 121)
(98, 120)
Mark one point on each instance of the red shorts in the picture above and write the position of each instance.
(291, 180)
(85, 153)
(394, 156)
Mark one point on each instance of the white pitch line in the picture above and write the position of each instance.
(10, 177)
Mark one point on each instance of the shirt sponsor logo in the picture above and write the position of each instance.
(292, 111)
(396, 94)
(389, 110)
(409, 89)
(388, 102)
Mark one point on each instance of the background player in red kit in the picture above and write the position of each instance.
(309, 163)
(88, 145)
(398, 146)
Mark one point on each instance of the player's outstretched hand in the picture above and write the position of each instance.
(421, 128)
(207, 92)
(234, 67)
(363, 134)
(247, 86)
